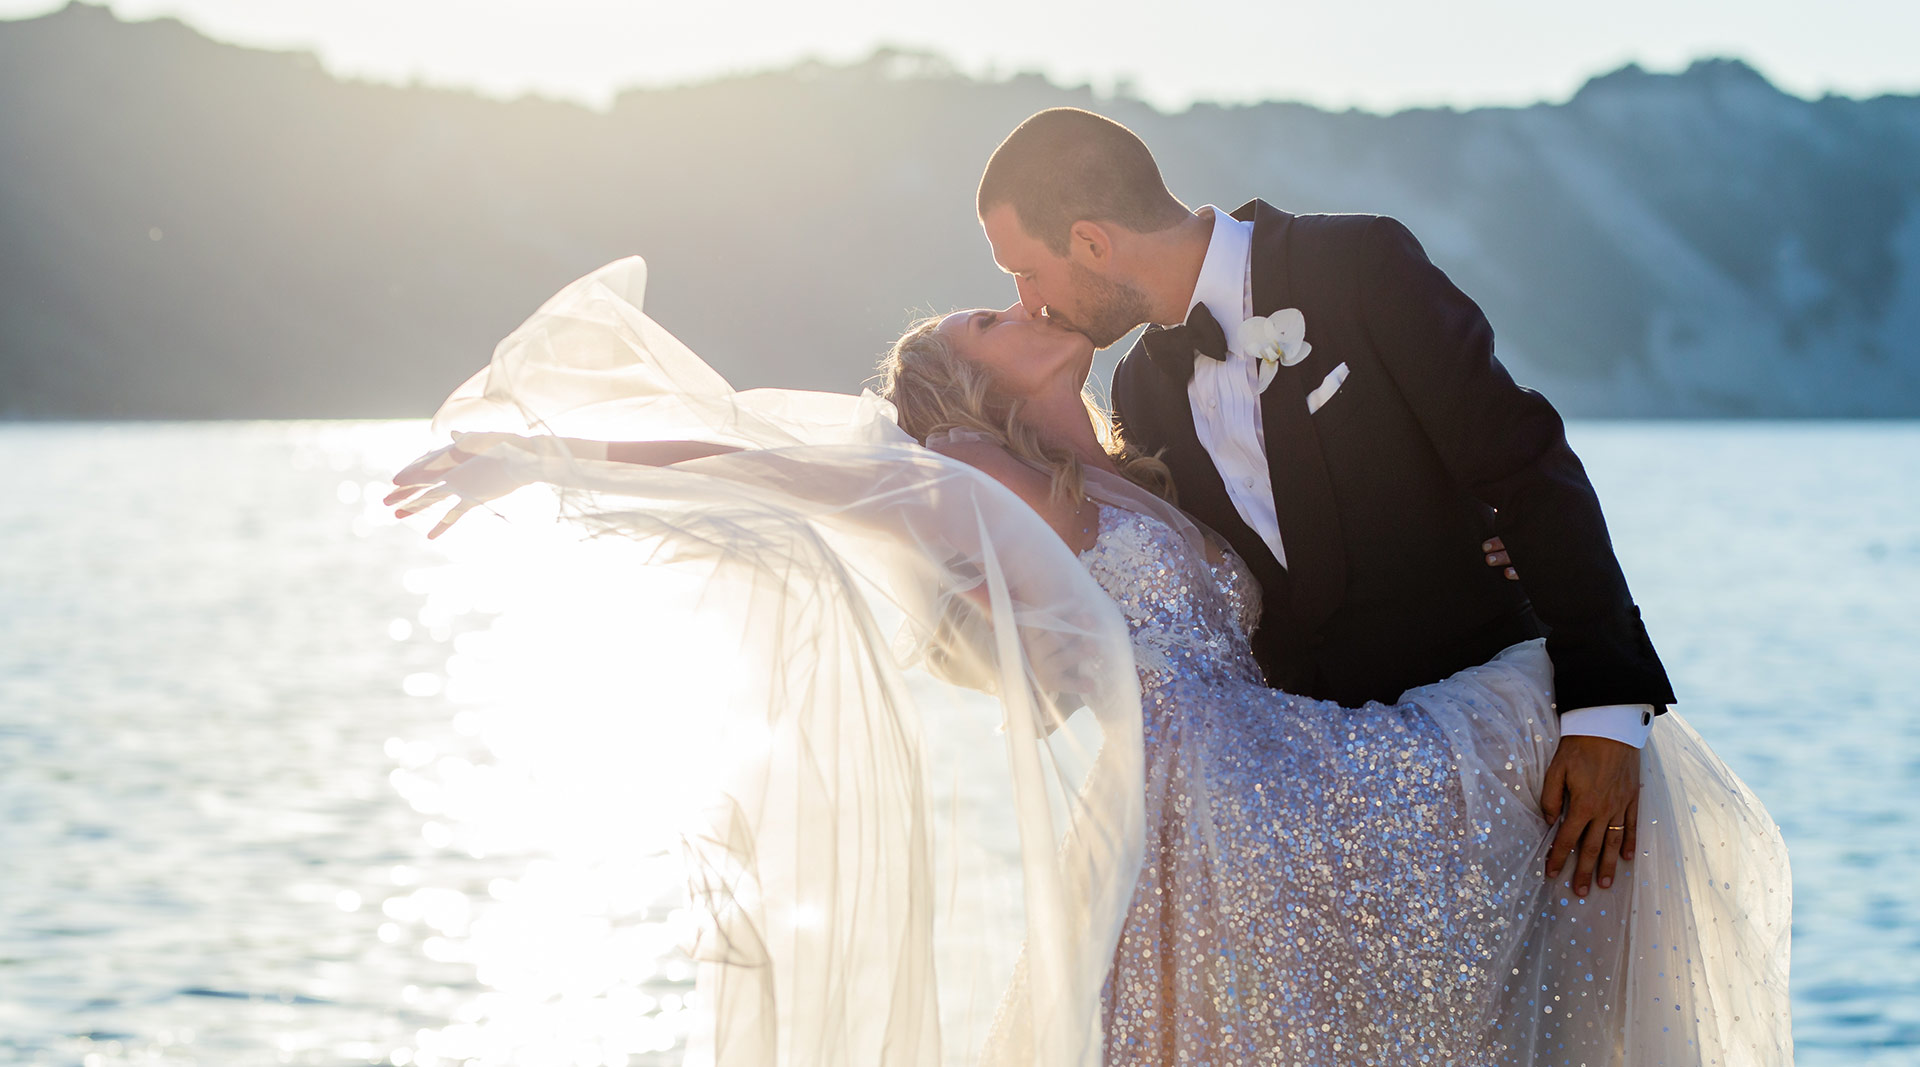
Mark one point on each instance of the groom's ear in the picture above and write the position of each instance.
(1090, 244)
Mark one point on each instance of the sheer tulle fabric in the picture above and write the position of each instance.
(1684, 960)
(817, 872)
(854, 561)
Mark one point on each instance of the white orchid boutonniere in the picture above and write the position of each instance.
(1276, 340)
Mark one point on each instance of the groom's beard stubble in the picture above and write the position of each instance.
(1110, 309)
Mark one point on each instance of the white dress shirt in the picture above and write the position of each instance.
(1225, 394)
(1225, 397)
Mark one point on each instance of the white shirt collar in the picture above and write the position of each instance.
(1222, 284)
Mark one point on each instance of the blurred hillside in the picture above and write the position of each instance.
(191, 229)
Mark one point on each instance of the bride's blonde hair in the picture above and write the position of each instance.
(935, 388)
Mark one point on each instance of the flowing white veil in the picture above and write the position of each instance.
(851, 558)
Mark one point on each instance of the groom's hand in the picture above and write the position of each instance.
(1595, 783)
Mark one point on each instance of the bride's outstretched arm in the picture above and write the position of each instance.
(478, 468)
(663, 453)
(466, 470)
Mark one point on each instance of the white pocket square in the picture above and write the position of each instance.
(1328, 386)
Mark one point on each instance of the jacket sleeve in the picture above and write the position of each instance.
(1507, 446)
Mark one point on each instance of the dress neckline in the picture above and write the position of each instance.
(1100, 527)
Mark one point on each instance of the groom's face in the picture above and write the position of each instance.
(1068, 293)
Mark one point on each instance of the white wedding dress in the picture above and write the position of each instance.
(1209, 871)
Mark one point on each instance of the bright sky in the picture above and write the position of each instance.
(1377, 54)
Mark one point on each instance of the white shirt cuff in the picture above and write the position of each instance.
(1629, 724)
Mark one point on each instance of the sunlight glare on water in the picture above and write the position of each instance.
(596, 698)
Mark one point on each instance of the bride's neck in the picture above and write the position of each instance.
(1061, 418)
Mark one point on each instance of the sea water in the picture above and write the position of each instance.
(283, 782)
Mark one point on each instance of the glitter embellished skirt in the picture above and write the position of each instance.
(1327, 885)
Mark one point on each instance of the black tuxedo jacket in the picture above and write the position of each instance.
(1386, 493)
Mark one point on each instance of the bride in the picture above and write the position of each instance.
(1235, 875)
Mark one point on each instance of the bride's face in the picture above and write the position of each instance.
(1024, 354)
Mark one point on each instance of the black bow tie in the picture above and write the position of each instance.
(1173, 348)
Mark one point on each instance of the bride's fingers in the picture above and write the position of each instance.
(407, 492)
(422, 502)
(428, 468)
(423, 475)
(452, 516)
(419, 470)
(1497, 556)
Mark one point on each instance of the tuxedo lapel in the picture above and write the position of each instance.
(1302, 491)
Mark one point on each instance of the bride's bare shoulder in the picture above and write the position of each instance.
(994, 460)
(1033, 486)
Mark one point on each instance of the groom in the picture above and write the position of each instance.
(1361, 465)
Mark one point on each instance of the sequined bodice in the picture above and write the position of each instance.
(1188, 617)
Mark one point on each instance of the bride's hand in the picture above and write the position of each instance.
(1496, 551)
(461, 469)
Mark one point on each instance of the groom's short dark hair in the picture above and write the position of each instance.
(1064, 164)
